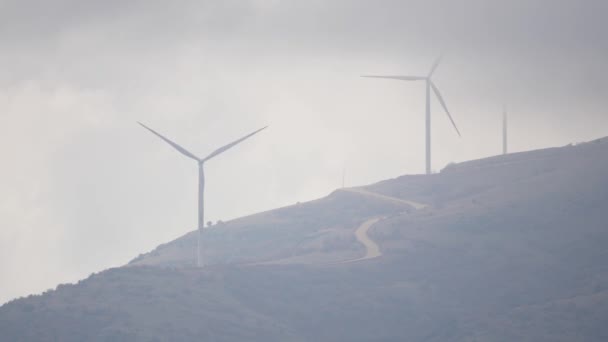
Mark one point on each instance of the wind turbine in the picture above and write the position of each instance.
(504, 130)
(201, 179)
(429, 85)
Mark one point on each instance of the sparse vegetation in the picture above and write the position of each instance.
(516, 251)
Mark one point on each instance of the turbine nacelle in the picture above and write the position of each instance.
(191, 155)
(429, 83)
(429, 86)
(201, 178)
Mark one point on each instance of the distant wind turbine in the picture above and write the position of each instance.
(201, 179)
(504, 130)
(429, 85)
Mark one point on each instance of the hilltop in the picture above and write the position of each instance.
(498, 249)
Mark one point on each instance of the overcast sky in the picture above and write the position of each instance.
(83, 188)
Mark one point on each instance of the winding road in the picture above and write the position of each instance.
(360, 191)
(372, 250)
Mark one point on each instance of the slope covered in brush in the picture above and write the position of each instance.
(511, 248)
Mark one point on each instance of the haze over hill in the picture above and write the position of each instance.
(508, 248)
(84, 188)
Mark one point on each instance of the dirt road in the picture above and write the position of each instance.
(415, 205)
(372, 250)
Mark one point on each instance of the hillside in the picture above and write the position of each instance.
(508, 248)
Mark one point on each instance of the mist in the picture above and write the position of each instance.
(85, 188)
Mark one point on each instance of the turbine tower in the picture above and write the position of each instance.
(201, 180)
(429, 85)
(504, 130)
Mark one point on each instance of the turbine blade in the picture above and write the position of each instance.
(435, 65)
(402, 78)
(176, 146)
(440, 98)
(232, 144)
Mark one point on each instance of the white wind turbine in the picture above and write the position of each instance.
(504, 130)
(201, 179)
(429, 85)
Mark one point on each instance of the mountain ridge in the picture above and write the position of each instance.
(509, 248)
